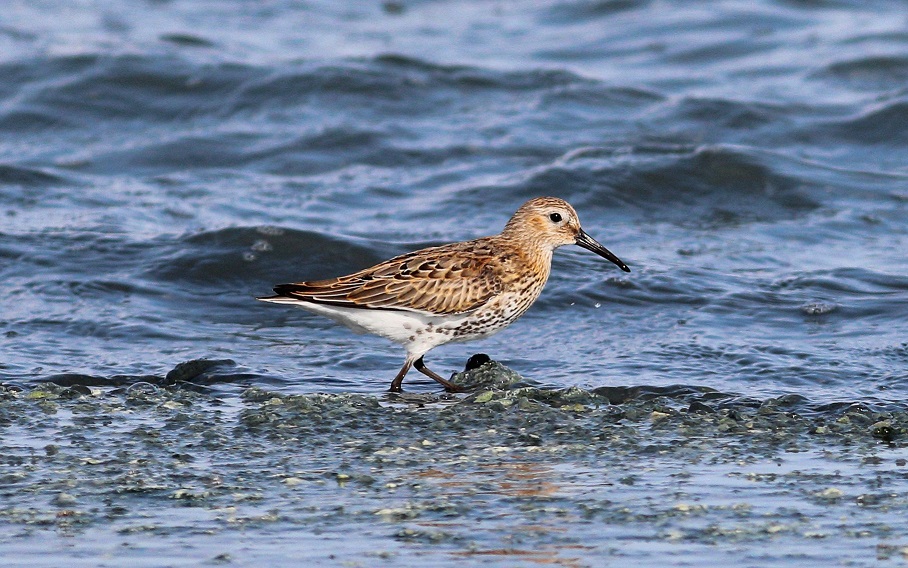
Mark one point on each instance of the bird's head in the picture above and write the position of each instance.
(549, 223)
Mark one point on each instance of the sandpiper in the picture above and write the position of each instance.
(449, 293)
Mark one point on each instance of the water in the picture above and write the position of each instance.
(163, 162)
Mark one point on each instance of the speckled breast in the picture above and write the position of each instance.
(502, 310)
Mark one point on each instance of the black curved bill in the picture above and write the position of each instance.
(589, 243)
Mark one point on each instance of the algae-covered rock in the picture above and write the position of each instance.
(490, 375)
(884, 430)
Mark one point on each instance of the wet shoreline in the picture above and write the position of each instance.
(510, 474)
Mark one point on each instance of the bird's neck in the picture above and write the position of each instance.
(531, 252)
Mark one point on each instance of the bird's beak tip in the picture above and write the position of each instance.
(590, 244)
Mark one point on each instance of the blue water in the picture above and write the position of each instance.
(164, 162)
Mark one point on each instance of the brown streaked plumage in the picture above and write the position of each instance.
(455, 292)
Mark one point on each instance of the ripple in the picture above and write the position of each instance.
(27, 177)
(848, 281)
(89, 89)
(731, 114)
(219, 258)
(395, 83)
(187, 40)
(880, 124)
(869, 73)
(710, 187)
(584, 10)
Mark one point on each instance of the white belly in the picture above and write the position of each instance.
(416, 331)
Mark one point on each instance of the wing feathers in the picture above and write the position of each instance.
(442, 280)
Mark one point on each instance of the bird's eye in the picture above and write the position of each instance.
(555, 217)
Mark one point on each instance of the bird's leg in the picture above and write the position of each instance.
(395, 384)
(449, 386)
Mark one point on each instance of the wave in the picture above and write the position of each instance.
(880, 124)
(28, 177)
(72, 91)
(705, 186)
(585, 10)
(256, 255)
(869, 73)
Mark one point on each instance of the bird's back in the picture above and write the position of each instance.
(444, 280)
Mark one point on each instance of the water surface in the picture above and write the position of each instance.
(162, 163)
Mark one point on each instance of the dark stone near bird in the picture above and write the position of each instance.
(476, 361)
(700, 408)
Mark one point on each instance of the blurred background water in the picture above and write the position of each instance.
(162, 162)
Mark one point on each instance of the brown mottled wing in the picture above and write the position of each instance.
(449, 279)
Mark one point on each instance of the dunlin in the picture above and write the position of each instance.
(455, 292)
